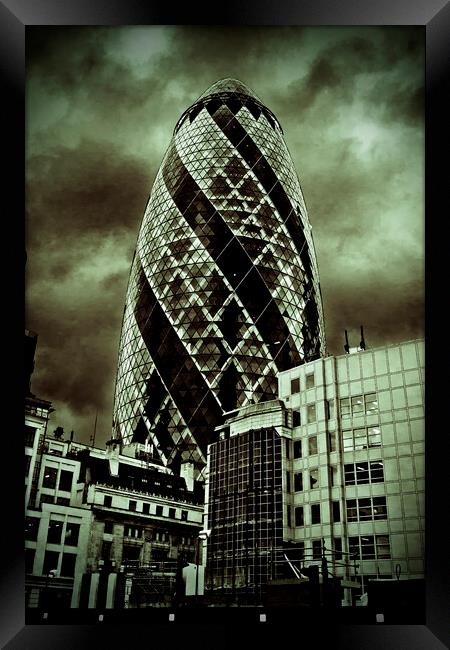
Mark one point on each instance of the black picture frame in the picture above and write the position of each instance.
(434, 16)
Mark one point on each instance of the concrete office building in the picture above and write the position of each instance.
(224, 287)
(337, 460)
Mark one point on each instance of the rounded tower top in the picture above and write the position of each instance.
(229, 85)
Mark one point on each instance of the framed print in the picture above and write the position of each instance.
(227, 227)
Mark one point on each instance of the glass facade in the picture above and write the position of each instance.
(224, 288)
(245, 516)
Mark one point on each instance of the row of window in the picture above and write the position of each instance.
(57, 531)
(362, 438)
(159, 510)
(359, 405)
(309, 383)
(363, 509)
(362, 473)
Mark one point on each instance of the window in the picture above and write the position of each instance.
(298, 482)
(317, 549)
(49, 480)
(132, 531)
(358, 405)
(31, 528)
(27, 464)
(51, 559)
(288, 481)
(363, 438)
(288, 449)
(159, 511)
(370, 404)
(296, 419)
(54, 532)
(313, 478)
(337, 543)
(132, 505)
(107, 501)
(367, 508)
(369, 547)
(146, 508)
(184, 515)
(106, 551)
(311, 413)
(315, 513)
(312, 445)
(295, 386)
(289, 523)
(72, 534)
(299, 517)
(68, 564)
(47, 498)
(297, 448)
(29, 559)
(360, 473)
(63, 501)
(309, 381)
(108, 527)
(30, 433)
(336, 513)
(332, 441)
(329, 409)
(172, 513)
(65, 481)
(131, 553)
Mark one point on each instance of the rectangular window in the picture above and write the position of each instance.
(367, 547)
(47, 498)
(295, 386)
(288, 481)
(299, 518)
(373, 437)
(65, 481)
(357, 405)
(72, 534)
(367, 508)
(347, 439)
(313, 478)
(298, 482)
(376, 469)
(30, 433)
(68, 564)
(107, 501)
(332, 441)
(297, 448)
(371, 403)
(51, 559)
(337, 541)
(27, 464)
(311, 413)
(345, 407)
(289, 516)
(31, 528)
(159, 511)
(382, 547)
(336, 512)
(63, 501)
(146, 508)
(50, 474)
(312, 445)
(315, 513)
(29, 559)
(329, 409)
(309, 379)
(132, 505)
(296, 419)
(363, 438)
(184, 515)
(288, 449)
(106, 551)
(317, 549)
(54, 532)
(108, 527)
(172, 513)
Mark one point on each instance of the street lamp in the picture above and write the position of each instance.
(203, 535)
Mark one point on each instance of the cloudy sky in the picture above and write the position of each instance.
(101, 107)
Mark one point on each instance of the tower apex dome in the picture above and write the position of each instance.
(228, 85)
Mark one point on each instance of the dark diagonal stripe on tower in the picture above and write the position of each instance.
(231, 258)
(185, 383)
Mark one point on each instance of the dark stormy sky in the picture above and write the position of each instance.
(101, 107)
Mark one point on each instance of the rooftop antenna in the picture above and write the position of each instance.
(346, 346)
(362, 343)
(95, 429)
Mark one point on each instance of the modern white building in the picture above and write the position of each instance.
(345, 481)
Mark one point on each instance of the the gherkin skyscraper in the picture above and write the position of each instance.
(224, 287)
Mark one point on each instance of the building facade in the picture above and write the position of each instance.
(224, 287)
(348, 462)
